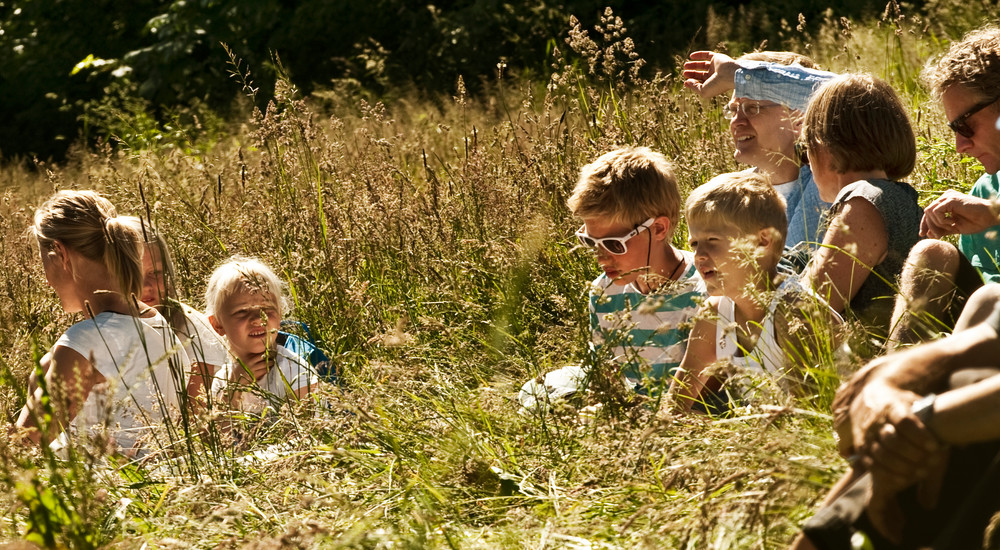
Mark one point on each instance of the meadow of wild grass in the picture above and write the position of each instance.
(427, 244)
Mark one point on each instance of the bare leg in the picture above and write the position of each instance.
(979, 307)
(801, 541)
(926, 292)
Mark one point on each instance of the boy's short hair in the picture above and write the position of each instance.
(628, 186)
(973, 63)
(781, 58)
(243, 272)
(861, 121)
(744, 200)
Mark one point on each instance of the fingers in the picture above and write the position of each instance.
(937, 223)
(905, 453)
(701, 55)
(695, 73)
(939, 217)
(954, 212)
(695, 68)
(694, 85)
(911, 431)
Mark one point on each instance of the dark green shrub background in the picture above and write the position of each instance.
(378, 46)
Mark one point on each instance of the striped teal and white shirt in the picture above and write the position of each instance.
(646, 334)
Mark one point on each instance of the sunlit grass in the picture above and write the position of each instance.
(427, 245)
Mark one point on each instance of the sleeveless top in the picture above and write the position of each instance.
(766, 356)
(767, 359)
(897, 204)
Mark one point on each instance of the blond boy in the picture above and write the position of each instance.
(736, 227)
(641, 306)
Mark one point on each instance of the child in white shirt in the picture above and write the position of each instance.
(245, 303)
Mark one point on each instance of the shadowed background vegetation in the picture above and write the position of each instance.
(420, 221)
(68, 66)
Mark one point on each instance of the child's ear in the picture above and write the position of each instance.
(216, 325)
(61, 255)
(662, 228)
(766, 237)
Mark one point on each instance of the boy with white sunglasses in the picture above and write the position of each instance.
(641, 306)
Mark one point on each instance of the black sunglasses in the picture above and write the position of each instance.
(961, 124)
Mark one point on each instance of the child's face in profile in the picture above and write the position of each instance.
(725, 257)
(249, 318)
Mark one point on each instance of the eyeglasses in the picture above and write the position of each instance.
(614, 245)
(961, 124)
(750, 110)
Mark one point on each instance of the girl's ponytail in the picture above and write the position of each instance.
(123, 256)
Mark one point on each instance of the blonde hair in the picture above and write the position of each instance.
(861, 121)
(241, 272)
(781, 58)
(744, 200)
(88, 224)
(973, 63)
(628, 186)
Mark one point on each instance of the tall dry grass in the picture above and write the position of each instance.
(427, 245)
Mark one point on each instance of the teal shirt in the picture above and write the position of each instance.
(983, 249)
(646, 333)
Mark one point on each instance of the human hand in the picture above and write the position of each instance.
(896, 448)
(902, 450)
(955, 212)
(905, 453)
(709, 74)
(842, 401)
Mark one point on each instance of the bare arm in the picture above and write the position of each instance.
(689, 382)
(200, 381)
(238, 378)
(306, 390)
(709, 74)
(856, 241)
(968, 415)
(899, 379)
(75, 375)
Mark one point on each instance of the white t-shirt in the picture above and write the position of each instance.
(289, 374)
(144, 366)
(205, 345)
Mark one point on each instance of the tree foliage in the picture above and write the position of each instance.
(169, 53)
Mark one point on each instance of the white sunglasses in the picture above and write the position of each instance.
(614, 245)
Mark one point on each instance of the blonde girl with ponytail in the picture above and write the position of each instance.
(118, 373)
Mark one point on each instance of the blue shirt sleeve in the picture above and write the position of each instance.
(308, 352)
(790, 85)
